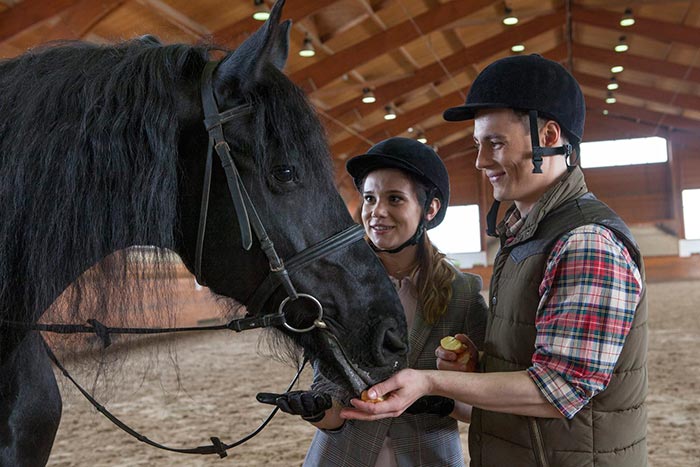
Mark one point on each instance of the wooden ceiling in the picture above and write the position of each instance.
(419, 56)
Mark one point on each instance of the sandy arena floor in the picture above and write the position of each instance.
(213, 394)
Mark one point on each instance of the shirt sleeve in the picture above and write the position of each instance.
(589, 294)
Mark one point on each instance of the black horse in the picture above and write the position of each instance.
(103, 148)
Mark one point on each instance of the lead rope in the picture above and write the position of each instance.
(217, 446)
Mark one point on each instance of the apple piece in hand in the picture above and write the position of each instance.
(365, 397)
(466, 350)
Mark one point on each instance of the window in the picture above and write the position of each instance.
(623, 152)
(459, 232)
(691, 219)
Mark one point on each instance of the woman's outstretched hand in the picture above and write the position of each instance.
(399, 392)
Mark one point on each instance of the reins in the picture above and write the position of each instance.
(248, 220)
(216, 446)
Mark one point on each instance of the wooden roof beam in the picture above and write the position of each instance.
(177, 18)
(29, 13)
(453, 63)
(658, 30)
(461, 147)
(399, 125)
(688, 101)
(637, 62)
(644, 115)
(232, 35)
(330, 68)
(79, 19)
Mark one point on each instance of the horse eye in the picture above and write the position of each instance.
(284, 173)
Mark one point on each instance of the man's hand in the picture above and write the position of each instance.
(310, 405)
(399, 392)
(466, 360)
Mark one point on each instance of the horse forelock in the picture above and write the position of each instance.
(284, 115)
(88, 147)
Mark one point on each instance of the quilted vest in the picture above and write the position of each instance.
(610, 431)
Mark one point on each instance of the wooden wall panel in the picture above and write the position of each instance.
(464, 181)
(689, 160)
(639, 194)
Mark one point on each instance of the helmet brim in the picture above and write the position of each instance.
(468, 111)
(359, 166)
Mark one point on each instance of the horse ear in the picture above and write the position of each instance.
(269, 44)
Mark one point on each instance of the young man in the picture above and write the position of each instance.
(564, 371)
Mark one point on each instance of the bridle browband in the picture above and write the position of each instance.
(248, 220)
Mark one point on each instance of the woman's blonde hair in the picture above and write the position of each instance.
(434, 281)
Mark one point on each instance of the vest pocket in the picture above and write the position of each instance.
(537, 443)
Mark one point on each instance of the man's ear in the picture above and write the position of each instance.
(550, 134)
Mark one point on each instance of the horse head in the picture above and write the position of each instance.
(278, 148)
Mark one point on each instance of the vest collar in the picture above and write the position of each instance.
(572, 186)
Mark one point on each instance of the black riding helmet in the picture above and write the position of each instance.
(415, 158)
(534, 84)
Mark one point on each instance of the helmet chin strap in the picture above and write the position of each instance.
(538, 152)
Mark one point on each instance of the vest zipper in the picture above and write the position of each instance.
(537, 443)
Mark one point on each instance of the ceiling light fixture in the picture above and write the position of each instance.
(307, 50)
(610, 99)
(622, 45)
(509, 19)
(517, 48)
(605, 111)
(421, 137)
(627, 18)
(390, 114)
(613, 84)
(260, 13)
(617, 69)
(368, 96)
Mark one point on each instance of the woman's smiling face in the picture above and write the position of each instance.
(391, 210)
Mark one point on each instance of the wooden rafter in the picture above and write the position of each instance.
(644, 115)
(324, 71)
(637, 62)
(660, 96)
(233, 34)
(29, 13)
(399, 125)
(453, 63)
(652, 28)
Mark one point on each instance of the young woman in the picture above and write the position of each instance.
(405, 191)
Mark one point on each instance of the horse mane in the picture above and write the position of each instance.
(88, 148)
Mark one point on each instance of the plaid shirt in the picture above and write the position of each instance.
(589, 293)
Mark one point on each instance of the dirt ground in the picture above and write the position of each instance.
(212, 393)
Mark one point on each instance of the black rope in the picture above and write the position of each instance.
(217, 446)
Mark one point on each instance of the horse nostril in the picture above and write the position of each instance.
(393, 341)
(391, 345)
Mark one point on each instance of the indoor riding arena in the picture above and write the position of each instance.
(373, 69)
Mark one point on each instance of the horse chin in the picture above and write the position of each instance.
(354, 377)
